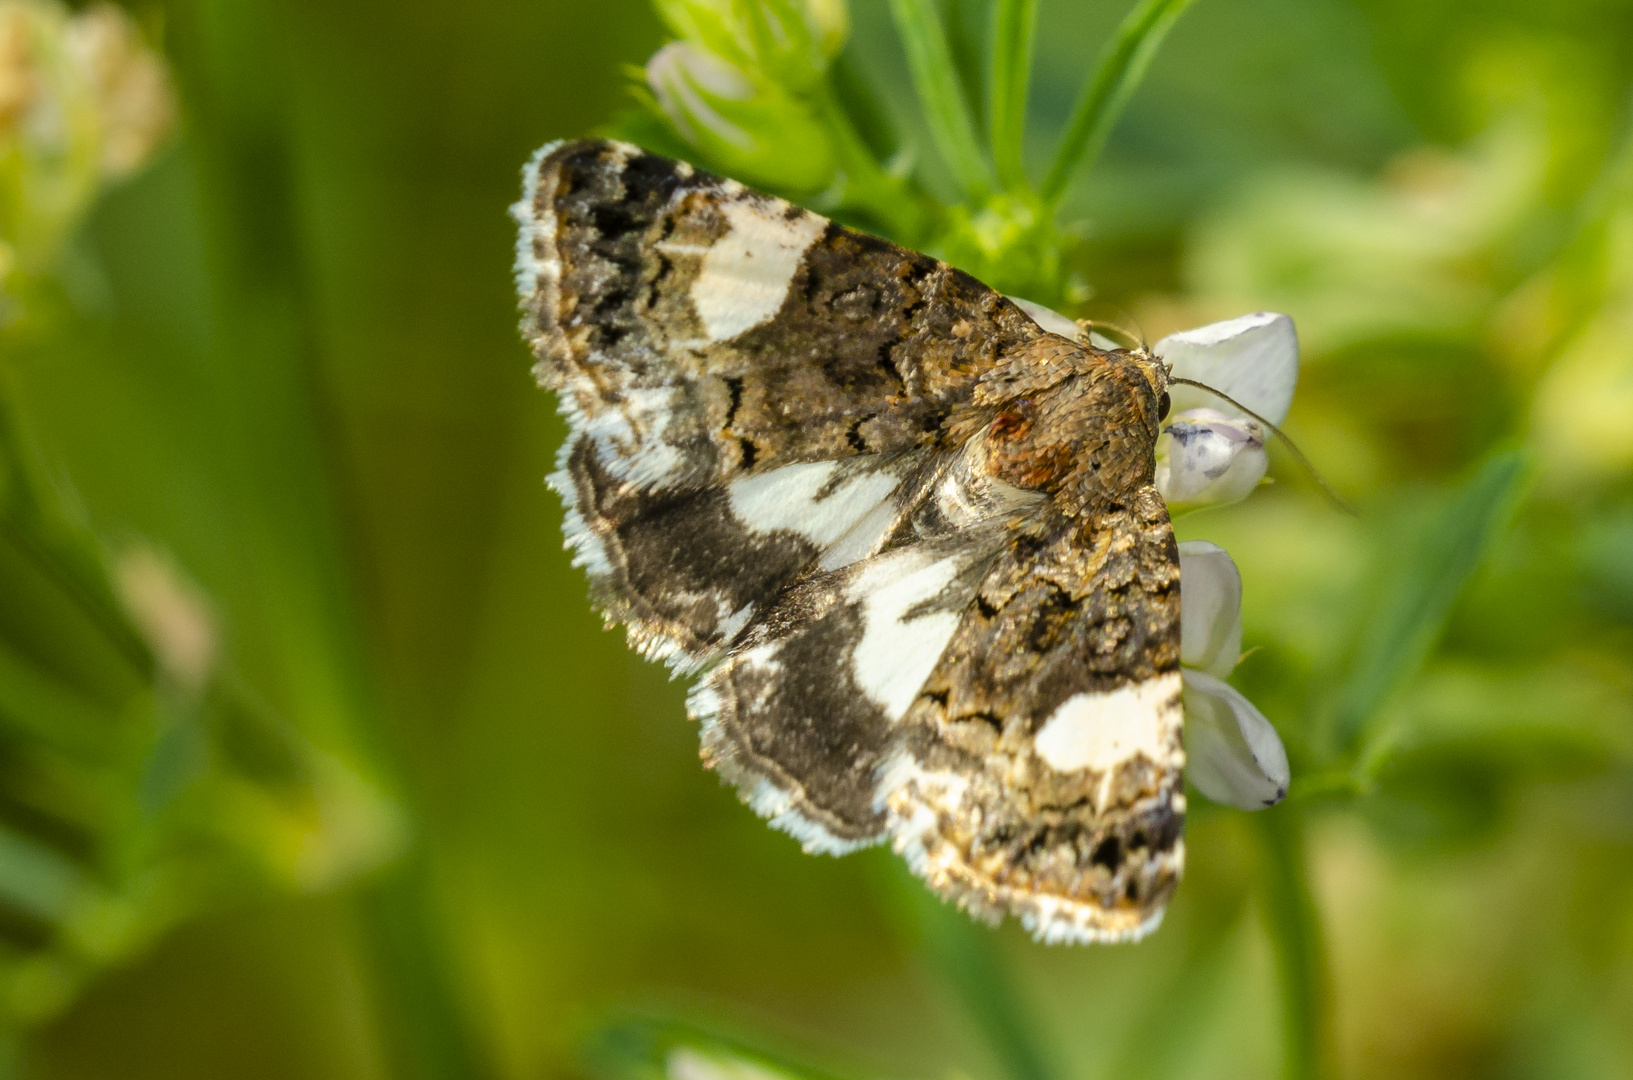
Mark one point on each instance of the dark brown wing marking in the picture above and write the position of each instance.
(805, 712)
(696, 332)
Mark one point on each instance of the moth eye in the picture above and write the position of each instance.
(1162, 406)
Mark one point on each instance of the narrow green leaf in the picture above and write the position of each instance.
(61, 551)
(431, 1037)
(37, 706)
(936, 79)
(1122, 65)
(1169, 1039)
(860, 103)
(35, 879)
(1014, 27)
(892, 205)
(1429, 572)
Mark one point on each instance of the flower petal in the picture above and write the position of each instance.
(1048, 318)
(1205, 458)
(1253, 358)
(1232, 754)
(1210, 596)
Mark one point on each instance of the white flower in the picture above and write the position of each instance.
(1233, 754)
(1050, 319)
(1210, 451)
(1253, 358)
(1207, 458)
(1211, 609)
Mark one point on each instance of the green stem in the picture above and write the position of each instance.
(965, 954)
(426, 1035)
(231, 63)
(889, 200)
(1294, 926)
(1014, 27)
(1121, 67)
(936, 79)
(31, 519)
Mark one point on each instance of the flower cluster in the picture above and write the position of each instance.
(1211, 453)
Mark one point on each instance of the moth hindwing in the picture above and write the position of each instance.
(907, 538)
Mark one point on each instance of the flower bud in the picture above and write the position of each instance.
(172, 614)
(788, 42)
(1210, 590)
(747, 127)
(685, 79)
(1232, 753)
(1206, 458)
(830, 22)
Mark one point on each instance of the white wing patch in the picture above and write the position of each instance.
(1102, 731)
(897, 652)
(794, 498)
(860, 539)
(745, 274)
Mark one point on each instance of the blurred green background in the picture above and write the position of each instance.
(315, 762)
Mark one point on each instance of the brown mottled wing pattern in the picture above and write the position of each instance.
(1039, 770)
(697, 332)
(909, 538)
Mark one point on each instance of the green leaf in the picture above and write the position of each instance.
(1122, 65)
(1454, 754)
(936, 79)
(1429, 572)
(1014, 27)
(1430, 803)
(966, 953)
(59, 553)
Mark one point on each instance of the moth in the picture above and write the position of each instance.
(905, 537)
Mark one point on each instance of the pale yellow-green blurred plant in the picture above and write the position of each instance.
(83, 101)
(140, 781)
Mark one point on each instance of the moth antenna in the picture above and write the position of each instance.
(1133, 340)
(1327, 489)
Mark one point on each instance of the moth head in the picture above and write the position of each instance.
(1112, 337)
(1156, 373)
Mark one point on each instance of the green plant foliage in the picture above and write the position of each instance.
(315, 763)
